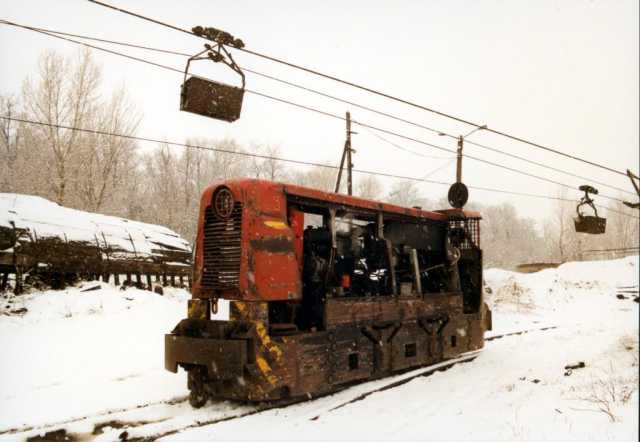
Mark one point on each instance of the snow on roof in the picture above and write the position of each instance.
(42, 218)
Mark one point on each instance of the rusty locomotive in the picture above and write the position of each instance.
(324, 290)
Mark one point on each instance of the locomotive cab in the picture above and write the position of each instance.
(325, 290)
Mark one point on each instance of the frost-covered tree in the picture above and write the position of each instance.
(321, 178)
(79, 169)
(106, 159)
(9, 142)
(508, 239)
(64, 92)
(267, 168)
(623, 230)
(369, 187)
(174, 178)
(162, 187)
(406, 194)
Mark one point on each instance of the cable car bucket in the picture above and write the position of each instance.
(594, 225)
(207, 97)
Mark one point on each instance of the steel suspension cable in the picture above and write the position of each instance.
(372, 91)
(289, 160)
(328, 114)
(439, 132)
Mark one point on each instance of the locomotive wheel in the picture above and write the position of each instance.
(196, 382)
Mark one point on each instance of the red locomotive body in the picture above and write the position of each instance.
(325, 290)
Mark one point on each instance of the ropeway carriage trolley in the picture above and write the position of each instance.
(207, 97)
(594, 225)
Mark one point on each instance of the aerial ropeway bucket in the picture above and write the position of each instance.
(593, 225)
(207, 97)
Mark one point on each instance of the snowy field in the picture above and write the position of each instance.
(91, 362)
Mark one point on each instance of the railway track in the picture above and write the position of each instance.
(116, 424)
(106, 413)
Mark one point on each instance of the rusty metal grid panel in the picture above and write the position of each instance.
(211, 99)
(472, 230)
(222, 249)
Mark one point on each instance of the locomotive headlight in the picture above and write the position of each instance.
(223, 203)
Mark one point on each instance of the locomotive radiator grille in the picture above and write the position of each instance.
(222, 249)
(471, 227)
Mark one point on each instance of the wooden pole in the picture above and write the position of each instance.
(18, 288)
(459, 160)
(5, 280)
(349, 162)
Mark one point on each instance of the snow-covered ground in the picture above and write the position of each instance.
(91, 362)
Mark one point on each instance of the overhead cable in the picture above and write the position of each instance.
(287, 160)
(323, 94)
(321, 112)
(372, 91)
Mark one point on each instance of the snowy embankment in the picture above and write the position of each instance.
(33, 219)
(92, 362)
(75, 353)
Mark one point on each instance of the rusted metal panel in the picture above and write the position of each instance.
(348, 335)
(590, 224)
(248, 312)
(211, 99)
(351, 356)
(385, 308)
(224, 359)
(274, 271)
(459, 213)
(266, 230)
(320, 362)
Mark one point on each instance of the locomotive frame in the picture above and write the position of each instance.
(371, 289)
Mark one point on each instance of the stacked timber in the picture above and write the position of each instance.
(39, 237)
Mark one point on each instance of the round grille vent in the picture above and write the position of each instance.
(223, 203)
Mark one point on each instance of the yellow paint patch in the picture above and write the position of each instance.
(266, 340)
(238, 310)
(276, 225)
(264, 367)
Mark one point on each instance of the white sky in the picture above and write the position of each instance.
(561, 73)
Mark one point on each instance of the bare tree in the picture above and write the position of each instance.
(369, 187)
(566, 240)
(317, 177)
(174, 181)
(406, 194)
(508, 239)
(9, 139)
(267, 168)
(623, 230)
(64, 93)
(104, 157)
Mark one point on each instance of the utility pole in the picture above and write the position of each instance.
(460, 146)
(349, 162)
(346, 154)
(458, 192)
(459, 160)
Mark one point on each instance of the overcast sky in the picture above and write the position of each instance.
(561, 73)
